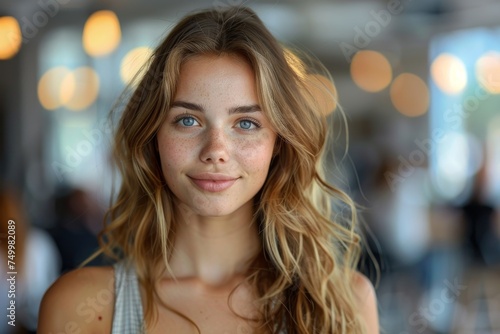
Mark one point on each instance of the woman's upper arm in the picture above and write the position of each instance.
(80, 301)
(367, 300)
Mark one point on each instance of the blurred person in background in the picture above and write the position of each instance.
(481, 240)
(36, 260)
(481, 250)
(78, 220)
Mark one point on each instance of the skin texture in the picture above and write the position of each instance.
(214, 236)
(217, 139)
(231, 137)
(367, 303)
(80, 301)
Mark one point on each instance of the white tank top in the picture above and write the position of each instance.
(128, 314)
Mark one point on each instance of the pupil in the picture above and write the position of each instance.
(245, 124)
(188, 121)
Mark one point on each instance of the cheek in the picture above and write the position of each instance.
(256, 154)
(173, 151)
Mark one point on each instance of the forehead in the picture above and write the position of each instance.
(212, 72)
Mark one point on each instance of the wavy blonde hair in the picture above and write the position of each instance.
(303, 277)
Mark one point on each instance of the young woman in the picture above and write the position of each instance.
(222, 223)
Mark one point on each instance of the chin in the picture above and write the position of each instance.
(214, 206)
(214, 212)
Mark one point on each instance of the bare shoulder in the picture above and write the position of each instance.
(80, 301)
(367, 302)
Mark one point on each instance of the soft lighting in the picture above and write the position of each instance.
(75, 90)
(10, 37)
(453, 154)
(67, 88)
(371, 71)
(410, 95)
(449, 73)
(51, 93)
(323, 91)
(493, 161)
(488, 72)
(101, 33)
(133, 64)
(86, 88)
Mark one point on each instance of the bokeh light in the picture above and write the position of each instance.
(10, 37)
(61, 87)
(488, 72)
(459, 156)
(86, 88)
(133, 64)
(51, 93)
(449, 73)
(371, 70)
(410, 95)
(323, 91)
(493, 160)
(101, 33)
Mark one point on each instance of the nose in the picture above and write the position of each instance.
(215, 147)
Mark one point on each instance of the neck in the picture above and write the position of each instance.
(214, 250)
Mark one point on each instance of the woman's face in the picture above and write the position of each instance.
(216, 144)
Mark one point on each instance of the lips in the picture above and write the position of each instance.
(213, 182)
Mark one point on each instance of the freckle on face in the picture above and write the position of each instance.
(218, 85)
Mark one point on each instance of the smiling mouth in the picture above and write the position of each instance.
(213, 183)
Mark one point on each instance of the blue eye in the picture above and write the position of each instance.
(187, 121)
(247, 124)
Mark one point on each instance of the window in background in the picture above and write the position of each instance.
(465, 88)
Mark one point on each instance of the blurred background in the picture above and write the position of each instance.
(419, 81)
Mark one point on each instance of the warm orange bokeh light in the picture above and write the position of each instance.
(10, 37)
(51, 93)
(133, 63)
(371, 71)
(410, 95)
(61, 87)
(101, 33)
(86, 88)
(449, 73)
(488, 72)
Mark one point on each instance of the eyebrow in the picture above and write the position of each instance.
(233, 110)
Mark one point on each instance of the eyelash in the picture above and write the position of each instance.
(256, 123)
(251, 120)
(181, 117)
